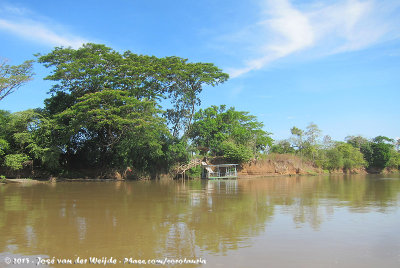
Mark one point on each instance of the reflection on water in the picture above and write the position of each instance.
(280, 221)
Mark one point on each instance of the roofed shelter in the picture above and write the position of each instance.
(222, 171)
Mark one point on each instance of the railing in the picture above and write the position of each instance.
(183, 168)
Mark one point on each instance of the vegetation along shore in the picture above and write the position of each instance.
(122, 115)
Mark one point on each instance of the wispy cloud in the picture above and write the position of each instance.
(25, 24)
(343, 26)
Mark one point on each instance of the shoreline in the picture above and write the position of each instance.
(240, 177)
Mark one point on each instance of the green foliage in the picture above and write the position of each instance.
(3, 147)
(334, 159)
(30, 133)
(175, 151)
(15, 161)
(394, 161)
(95, 67)
(381, 155)
(109, 113)
(236, 153)
(115, 128)
(13, 77)
(357, 141)
(378, 152)
(184, 83)
(105, 106)
(297, 138)
(312, 133)
(195, 172)
(282, 147)
(352, 157)
(341, 156)
(230, 133)
(383, 139)
(306, 142)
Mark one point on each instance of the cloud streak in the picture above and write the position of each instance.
(19, 23)
(347, 25)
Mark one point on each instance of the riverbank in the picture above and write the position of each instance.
(271, 165)
(287, 164)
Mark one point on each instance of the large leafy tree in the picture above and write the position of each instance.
(110, 128)
(227, 132)
(377, 152)
(185, 82)
(13, 77)
(95, 67)
(382, 148)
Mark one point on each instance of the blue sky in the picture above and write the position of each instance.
(334, 63)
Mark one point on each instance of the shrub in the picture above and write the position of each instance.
(236, 153)
(15, 161)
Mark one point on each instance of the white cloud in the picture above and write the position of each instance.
(346, 25)
(291, 30)
(21, 22)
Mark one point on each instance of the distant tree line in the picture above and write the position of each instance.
(355, 152)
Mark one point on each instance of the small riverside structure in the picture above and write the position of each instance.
(222, 171)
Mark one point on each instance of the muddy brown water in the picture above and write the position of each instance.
(319, 221)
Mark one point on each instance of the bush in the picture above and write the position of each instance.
(236, 153)
(394, 161)
(381, 155)
(194, 172)
(334, 159)
(15, 161)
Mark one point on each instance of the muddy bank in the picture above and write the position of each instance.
(268, 167)
(280, 164)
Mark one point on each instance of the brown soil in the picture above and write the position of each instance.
(277, 165)
(286, 164)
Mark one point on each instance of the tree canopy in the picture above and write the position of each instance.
(227, 132)
(95, 67)
(13, 77)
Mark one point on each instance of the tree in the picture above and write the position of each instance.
(185, 82)
(381, 155)
(4, 118)
(357, 141)
(95, 67)
(282, 147)
(312, 133)
(13, 77)
(29, 133)
(16, 161)
(111, 127)
(378, 152)
(225, 132)
(352, 157)
(327, 142)
(297, 138)
(333, 160)
(383, 139)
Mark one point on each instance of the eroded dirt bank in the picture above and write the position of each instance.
(277, 165)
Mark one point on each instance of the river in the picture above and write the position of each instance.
(305, 221)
